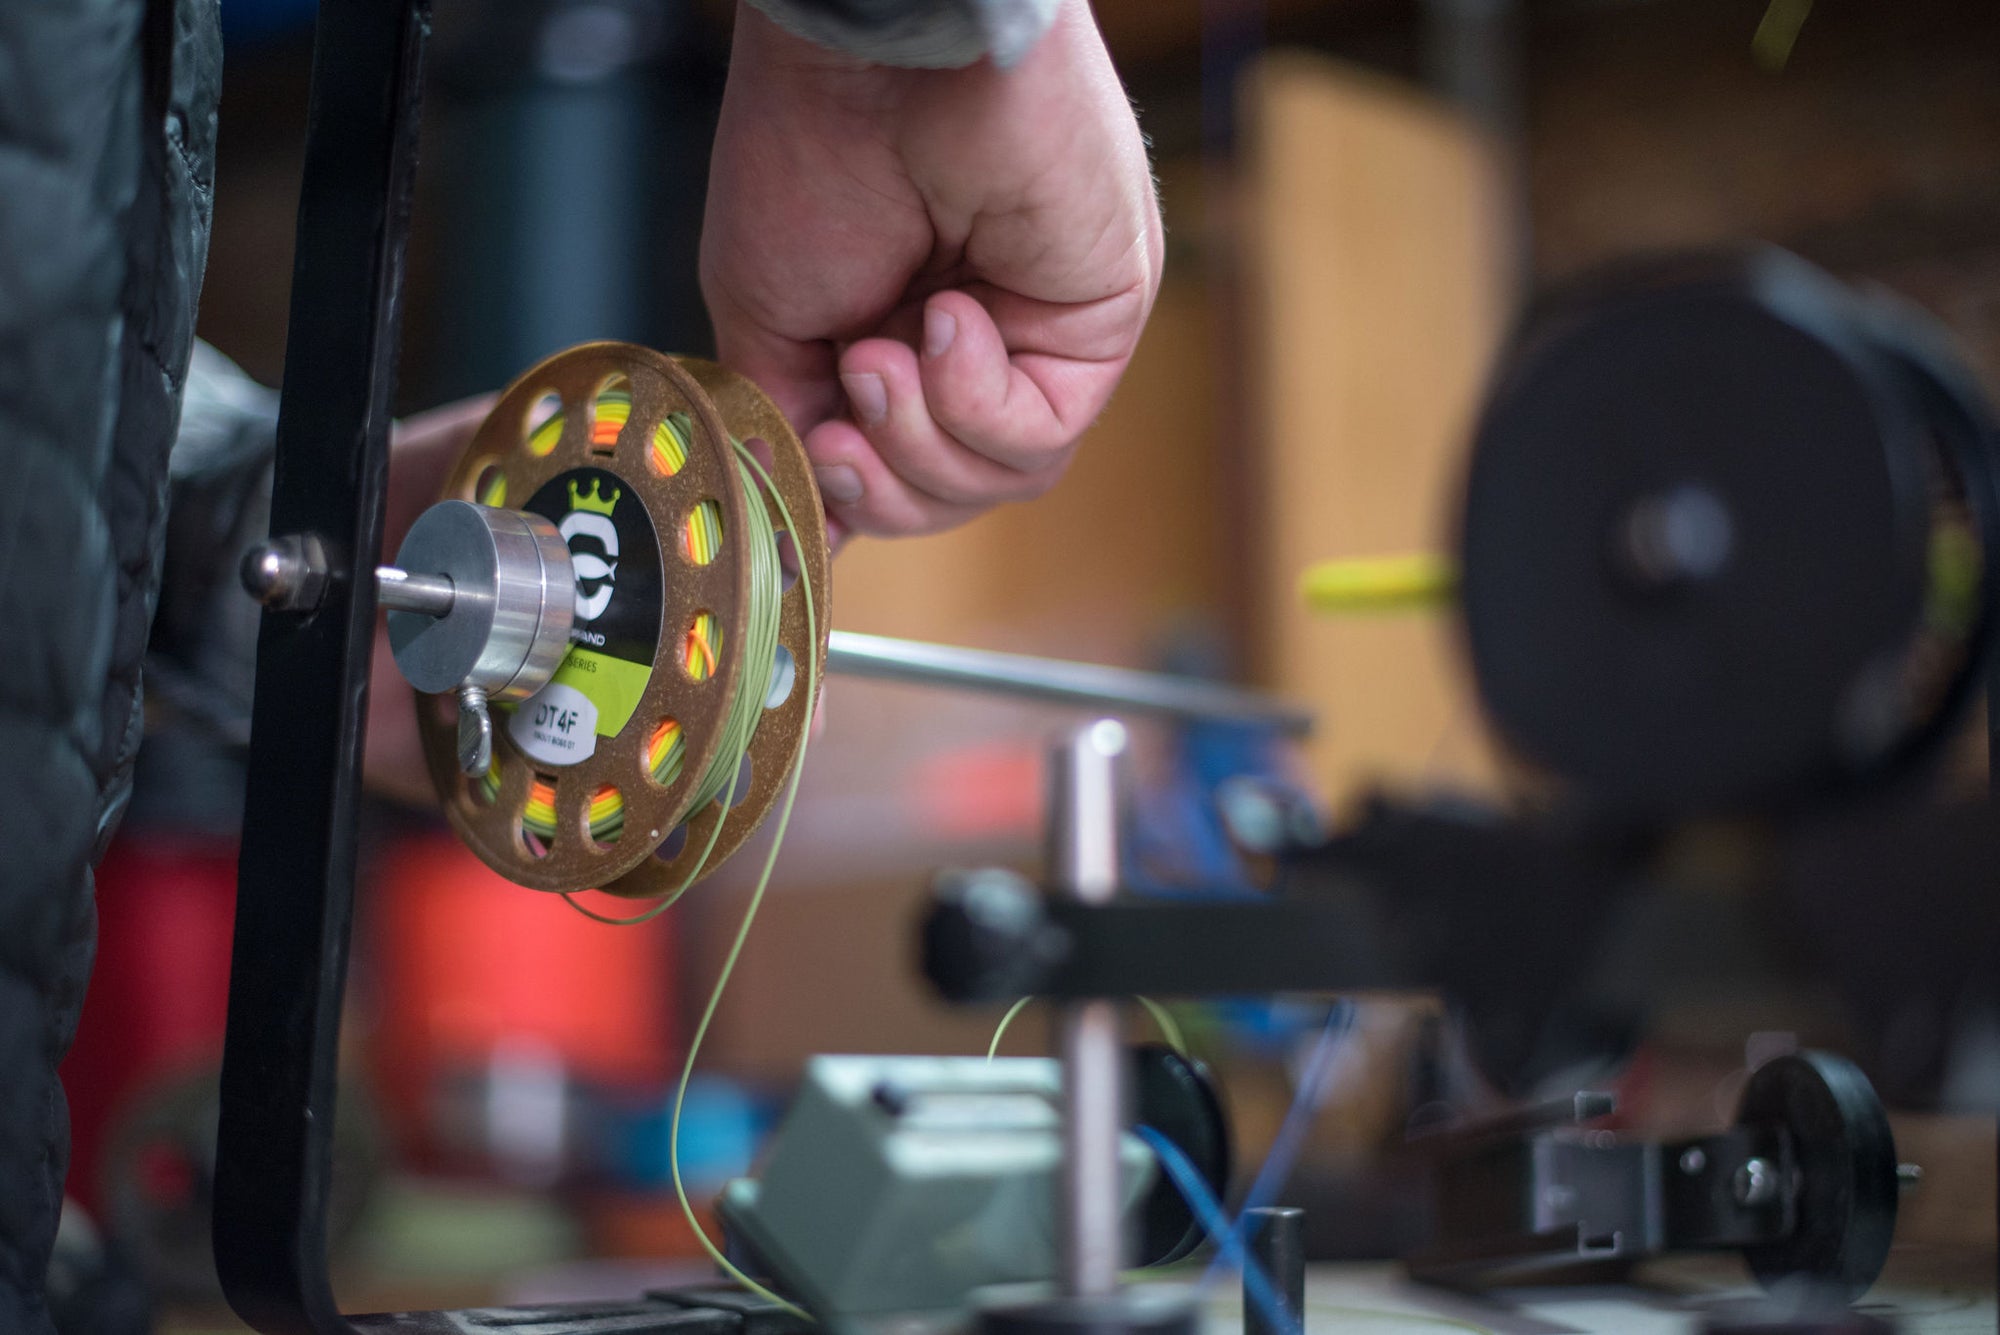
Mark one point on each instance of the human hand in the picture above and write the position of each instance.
(938, 274)
(421, 454)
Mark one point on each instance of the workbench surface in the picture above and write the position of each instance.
(1924, 1293)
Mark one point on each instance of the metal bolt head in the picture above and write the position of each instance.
(1755, 1183)
(286, 574)
(1693, 1160)
(264, 571)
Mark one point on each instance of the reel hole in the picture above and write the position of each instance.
(784, 671)
(606, 818)
(610, 409)
(486, 788)
(701, 647)
(538, 817)
(670, 444)
(746, 775)
(788, 560)
(671, 846)
(543, 427)
(489, 484)
(665, 750)
(701, 533)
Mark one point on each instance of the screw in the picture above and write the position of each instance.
(891, 1098)
(1693, 1160)
(1909, 1175)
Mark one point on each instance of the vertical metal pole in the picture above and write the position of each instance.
(1278, 1249)
(1084, 774)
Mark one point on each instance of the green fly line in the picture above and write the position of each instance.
(1169, 1027)
(749, 461)
(722, 779)
(666, 747)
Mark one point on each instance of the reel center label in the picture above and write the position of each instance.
(557, 725)
(616, 637)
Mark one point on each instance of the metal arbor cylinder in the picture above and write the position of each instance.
(507, 625)
(622, 451)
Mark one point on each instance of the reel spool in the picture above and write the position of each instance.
(1841, 1161)
(627, 453)
(1731, 540)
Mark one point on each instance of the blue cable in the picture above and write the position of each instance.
(1215, 1221)
(1285, 1146)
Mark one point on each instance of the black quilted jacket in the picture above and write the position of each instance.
(107, 138)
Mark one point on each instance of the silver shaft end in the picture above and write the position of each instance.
(426, 595)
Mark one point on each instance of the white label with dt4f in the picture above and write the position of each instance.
(557, 725)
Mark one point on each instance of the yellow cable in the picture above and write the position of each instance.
(1413, 580)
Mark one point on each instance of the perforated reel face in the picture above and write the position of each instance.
(627, 451)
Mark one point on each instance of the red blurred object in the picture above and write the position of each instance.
(982, 791)
(471, 966)
(159, 993)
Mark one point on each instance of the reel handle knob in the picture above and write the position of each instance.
(475, 732)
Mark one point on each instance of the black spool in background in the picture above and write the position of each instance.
(1176, 1096)
(1764, 668)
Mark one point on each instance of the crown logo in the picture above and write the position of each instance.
(596, 500)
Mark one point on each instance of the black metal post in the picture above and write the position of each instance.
(295, 885)
(1277, 1238)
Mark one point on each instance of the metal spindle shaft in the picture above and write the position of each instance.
(290, 574)
(400, 591)
(856, 655)
(1083, 837)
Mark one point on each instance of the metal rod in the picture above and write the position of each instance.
(1083, 861)
(857, 655)
(400, 591)
(1278, 1248)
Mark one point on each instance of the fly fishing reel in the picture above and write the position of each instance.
(637, 567)
(1731, 539)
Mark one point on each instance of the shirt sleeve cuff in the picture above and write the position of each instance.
(936, 34)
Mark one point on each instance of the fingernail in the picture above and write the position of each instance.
(939, 330)
(869, 397)
(839, 483)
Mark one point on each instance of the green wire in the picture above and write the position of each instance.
(760, 649)
(1000, 1030)
(746, 710)
(1170, 1028)
(749, 915)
